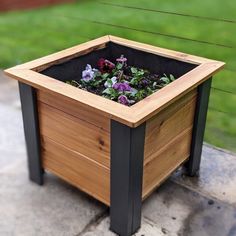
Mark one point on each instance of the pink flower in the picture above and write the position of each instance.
(122, 59)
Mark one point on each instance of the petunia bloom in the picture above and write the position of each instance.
(121, 59)
(105, 66)
(123, 100)
(88, 74)
(122, 87)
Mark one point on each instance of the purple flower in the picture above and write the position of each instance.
(123, 100)
(122, 59)
(88, 73)
(122, 87)
(144, 82)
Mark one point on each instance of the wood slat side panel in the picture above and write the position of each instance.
(160, 167)
(74, 134)
(76, 109)
(168, 124)
(76, 169)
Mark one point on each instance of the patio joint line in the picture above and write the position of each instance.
(209, 197)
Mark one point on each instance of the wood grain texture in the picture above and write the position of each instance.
(75, 109)
(131, 116)
(75, 124)
(165, 162)
(77, 169)
(169, 123)
(72, 145)
(75, 134)
(108, 108)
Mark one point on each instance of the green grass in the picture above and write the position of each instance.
(28, 35)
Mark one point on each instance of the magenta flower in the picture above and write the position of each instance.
(123, 100)
(122, 87)
(122, 59)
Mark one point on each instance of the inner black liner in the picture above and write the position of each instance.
(72, 69)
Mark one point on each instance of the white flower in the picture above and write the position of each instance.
(88, 73)
(110, 82)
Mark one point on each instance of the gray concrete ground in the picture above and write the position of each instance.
(182, 206)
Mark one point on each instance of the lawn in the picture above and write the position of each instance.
(32, 34)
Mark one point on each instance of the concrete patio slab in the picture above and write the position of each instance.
(182, 206)
(12, 144)
(54, 209)
(217, 177)
(181, 211)
(148, 228)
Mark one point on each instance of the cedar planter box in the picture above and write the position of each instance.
(115, 153)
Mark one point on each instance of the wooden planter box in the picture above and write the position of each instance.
(115, 153)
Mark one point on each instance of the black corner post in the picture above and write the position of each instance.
(31, 129)
(127, 152)
(193, 164)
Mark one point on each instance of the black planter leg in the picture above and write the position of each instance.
(193, 164)
(127, 151)
(31, 129)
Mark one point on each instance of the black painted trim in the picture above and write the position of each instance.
(31, 129)
(193, 164)
(127, 153)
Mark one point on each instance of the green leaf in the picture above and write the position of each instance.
(74, 83)
(172, 78)
(134, 70)
(134, 81)
(107, 91)
(119, 66)
(149, 91)
(166, 80)
(105, 75)
(109, 83)
(140, 72)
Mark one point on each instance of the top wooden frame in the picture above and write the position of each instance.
(131, 116)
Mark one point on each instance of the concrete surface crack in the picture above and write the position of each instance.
(96, 220)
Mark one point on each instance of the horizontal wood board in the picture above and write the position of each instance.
(69, 141)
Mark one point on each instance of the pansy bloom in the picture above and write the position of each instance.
(88, 74)
(123, 100)
(122, 87)
(121, 59)
(105, 66)
(119, 81)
